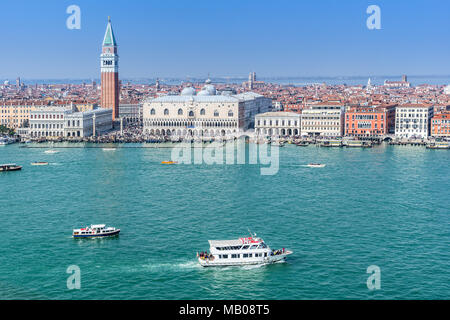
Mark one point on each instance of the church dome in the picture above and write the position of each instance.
(188, 91)
(210, 89)
(203, 93)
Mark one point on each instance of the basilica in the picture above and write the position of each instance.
(205, 113)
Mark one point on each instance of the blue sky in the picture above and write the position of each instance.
(166, 38)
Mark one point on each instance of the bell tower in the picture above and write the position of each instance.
(110, 72)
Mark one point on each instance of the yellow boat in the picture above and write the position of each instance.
(169, 162)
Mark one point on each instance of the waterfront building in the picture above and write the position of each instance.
(440, 125)
(64, 121)
(370, 121)
(48, 121)
(204, 113)
(15, 114)
(110, 89)
(323, 119)
(413, 120)
(278, 124)
(88, 123)
(131, 112)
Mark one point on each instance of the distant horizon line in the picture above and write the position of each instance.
(187, 78)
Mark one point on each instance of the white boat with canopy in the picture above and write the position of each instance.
(243, 251)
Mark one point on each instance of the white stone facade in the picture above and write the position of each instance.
(81, 124)
(48, 122)
(278, 124)
(203, 114)
(57, 122)
(323, 120)
(413, 121)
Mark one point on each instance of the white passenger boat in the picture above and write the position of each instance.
(109, 149)
(240, 252)
(95, 230)
(51, 151)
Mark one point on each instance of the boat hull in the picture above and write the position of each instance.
(265, 261)
(11, 169)
(103, 235)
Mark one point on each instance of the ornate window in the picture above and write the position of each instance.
(202, 112)
(216, 113)
(180, 112)
(166, 112)
(152, 112)
(191, 113)
(230, 113)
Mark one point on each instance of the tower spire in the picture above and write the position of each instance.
(110, 72)
(109, 40)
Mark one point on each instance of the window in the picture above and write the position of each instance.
(230, 113)
(235, 256)
(191, 113)
(166, 112)
(216, 113)
(180, 112)
(152, 112)
(202, 112)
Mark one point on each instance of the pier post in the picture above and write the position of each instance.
(93, 125)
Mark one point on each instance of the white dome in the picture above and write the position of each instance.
(188, 91)
(203, 93)
(210, 89)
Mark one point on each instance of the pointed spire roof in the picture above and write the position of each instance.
(109, 40)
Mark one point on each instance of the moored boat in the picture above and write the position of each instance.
(169, 162)
(240, 252)
(438, 145)
(9, 167)
(6, 141)
(94, 231)
(51, 151)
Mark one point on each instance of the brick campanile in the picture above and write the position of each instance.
(110, 72)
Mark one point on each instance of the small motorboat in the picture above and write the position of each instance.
(51, 151)
(6, 141)
(316, 165)
(40, 163)
(109, 149)
(169, 162)
(9, 167)
(95, 231)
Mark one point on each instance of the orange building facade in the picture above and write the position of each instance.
(370, 121)
(440, 125)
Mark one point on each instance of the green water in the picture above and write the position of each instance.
(386, 206)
